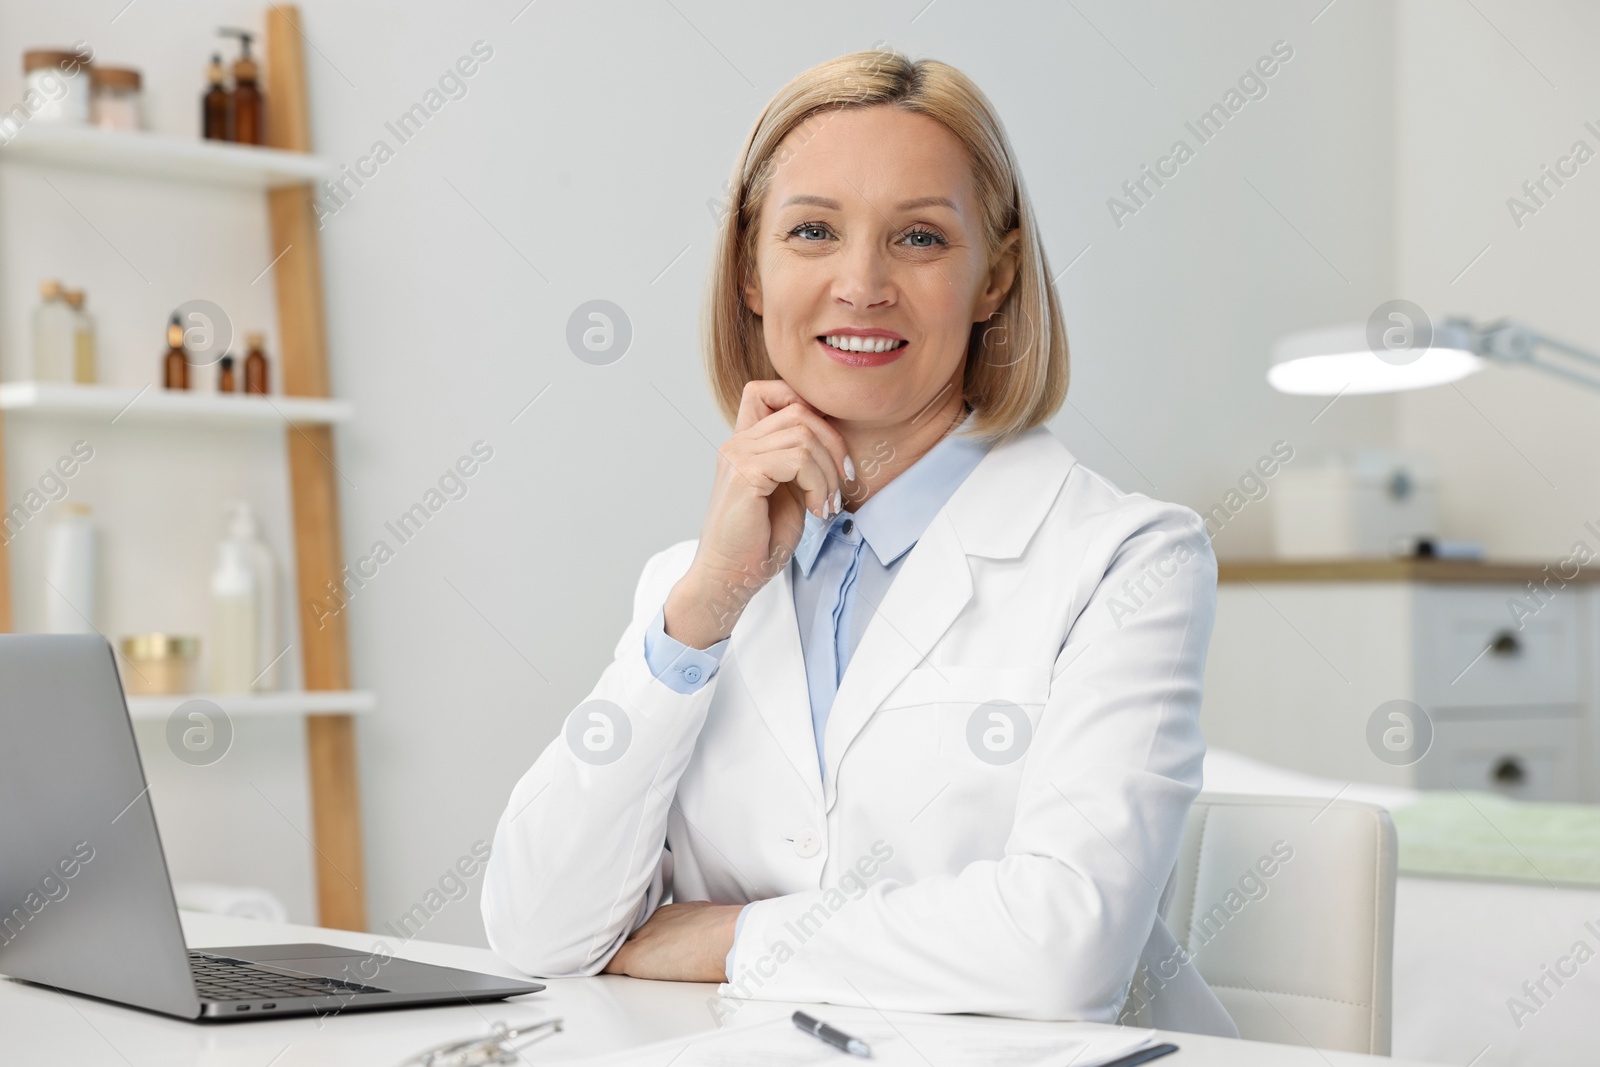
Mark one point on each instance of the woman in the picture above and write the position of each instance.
(980, 813)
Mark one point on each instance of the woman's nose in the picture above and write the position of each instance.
(864, 279)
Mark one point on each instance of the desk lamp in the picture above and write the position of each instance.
(1401, 350)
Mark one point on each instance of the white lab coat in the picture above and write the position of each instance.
(921, 873)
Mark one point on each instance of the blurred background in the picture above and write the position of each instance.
(484, 172)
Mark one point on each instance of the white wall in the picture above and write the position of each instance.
(578, 166)
(1483, 103)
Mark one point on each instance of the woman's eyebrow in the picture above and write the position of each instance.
(904, 205)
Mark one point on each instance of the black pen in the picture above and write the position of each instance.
(837, 1038)
(1144, 1055)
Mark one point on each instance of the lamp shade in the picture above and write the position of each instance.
(1342, 359)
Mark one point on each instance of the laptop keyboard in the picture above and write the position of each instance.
(222, 978)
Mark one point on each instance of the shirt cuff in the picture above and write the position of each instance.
(681, 668)
(738, 924)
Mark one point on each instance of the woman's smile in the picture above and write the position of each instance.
(863, 348)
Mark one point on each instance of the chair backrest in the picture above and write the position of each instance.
(1286, 907)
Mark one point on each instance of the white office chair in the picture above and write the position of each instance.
(1286, 907)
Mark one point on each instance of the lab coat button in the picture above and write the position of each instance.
(807, 843)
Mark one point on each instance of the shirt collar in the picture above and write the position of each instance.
(896, 515)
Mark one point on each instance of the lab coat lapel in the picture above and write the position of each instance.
(993, 514)
(930, 590)
(772, 667)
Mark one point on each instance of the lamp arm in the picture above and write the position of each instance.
(1571, 350)
(1510, 342)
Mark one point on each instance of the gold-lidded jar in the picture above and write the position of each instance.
(159, 664)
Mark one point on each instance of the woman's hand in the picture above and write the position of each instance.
(783, 460)
(686, 942)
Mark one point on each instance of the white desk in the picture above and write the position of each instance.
(603, 1014)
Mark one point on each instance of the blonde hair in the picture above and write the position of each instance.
(1016, 371)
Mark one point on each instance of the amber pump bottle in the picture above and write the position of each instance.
(255, 365)
(214, 104)
(175, 367)
(226, 379)
(246, 105)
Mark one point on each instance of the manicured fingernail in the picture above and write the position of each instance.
(838, 502)
(849, 470)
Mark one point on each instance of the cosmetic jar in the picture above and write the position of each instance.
(159, 664)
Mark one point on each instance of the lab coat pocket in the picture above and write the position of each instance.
(1023, 686)
(964, 733)
(982, 716)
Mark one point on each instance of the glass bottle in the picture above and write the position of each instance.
(53, 327)
(225, 376)
(255, 365)
(214, 104)
(83, 353)
(175, 365)
(245, 103)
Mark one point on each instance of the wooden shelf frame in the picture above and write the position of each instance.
(1375, 569)
(314, 488)
(285, 171)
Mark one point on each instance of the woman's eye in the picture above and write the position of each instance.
(814, 232)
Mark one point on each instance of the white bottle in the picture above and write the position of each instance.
(245, 529)
(55, 328)
(71, 573)
(233, 619)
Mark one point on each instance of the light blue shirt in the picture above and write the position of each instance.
(841, 570)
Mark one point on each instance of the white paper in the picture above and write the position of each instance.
(779, 1043)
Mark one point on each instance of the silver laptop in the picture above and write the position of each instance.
(86, 903)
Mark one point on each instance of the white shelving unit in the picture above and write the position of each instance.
(152, 155)
(152, 404)
(285, 177)
(296, 702)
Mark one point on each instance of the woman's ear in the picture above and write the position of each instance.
(1002, 275)
(752, 292)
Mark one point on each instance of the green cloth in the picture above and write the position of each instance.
(1485, 836)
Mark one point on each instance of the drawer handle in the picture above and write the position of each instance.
(1508, 772)
(1505, 643)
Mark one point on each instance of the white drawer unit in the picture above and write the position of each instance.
(1471, 650)
(1527, 759)
(1319, 666)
